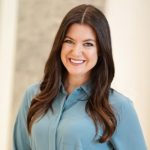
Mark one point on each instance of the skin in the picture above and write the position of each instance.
(79, 54)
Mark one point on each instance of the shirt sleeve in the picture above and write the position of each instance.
(21, 139)
(128, 134)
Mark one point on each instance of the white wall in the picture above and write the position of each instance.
(130, 28)
(7, 51)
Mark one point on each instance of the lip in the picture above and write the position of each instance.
(76, 62)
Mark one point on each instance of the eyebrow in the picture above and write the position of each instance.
(87, 40)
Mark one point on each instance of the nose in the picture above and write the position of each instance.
(77, 49)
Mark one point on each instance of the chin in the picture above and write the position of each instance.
(75, 73)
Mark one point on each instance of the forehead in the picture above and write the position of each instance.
(81, 31)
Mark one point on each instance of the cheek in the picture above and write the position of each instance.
(64, 50)
(93, 56)
(63, 54)
(93, 59)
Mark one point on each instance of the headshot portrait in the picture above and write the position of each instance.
(75, 75)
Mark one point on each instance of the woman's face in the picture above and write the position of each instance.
(79, 52)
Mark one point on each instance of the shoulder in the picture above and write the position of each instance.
(27, 97)
(123, 107)
(31, 91)
(119, 101)
(116, 97)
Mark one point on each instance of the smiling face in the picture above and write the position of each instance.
(79, 53)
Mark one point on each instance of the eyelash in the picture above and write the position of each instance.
(85, 44)
(88, 44)
(68, 41)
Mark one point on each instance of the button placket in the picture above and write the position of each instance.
(56, 116)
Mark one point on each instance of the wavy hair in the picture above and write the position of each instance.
(98, 106)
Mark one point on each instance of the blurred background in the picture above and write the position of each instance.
(27, 31)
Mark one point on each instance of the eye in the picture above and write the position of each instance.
(88, 44)
(68, 41)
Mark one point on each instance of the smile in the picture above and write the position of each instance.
(76, 61)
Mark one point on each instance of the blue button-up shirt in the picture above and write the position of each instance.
(70, 128)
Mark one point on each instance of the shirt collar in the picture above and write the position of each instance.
(86, 87)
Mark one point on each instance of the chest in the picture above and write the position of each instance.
(69, 125)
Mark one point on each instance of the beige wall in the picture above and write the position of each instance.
(37, 23)
(130, 22)
(8, 24)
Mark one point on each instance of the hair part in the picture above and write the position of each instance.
(82, 20)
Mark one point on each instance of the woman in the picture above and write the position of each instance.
(74, 107)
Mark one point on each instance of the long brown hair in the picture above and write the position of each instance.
(98, 106)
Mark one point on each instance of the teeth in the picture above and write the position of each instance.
(76, 61)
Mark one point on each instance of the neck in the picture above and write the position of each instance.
(73, 82)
